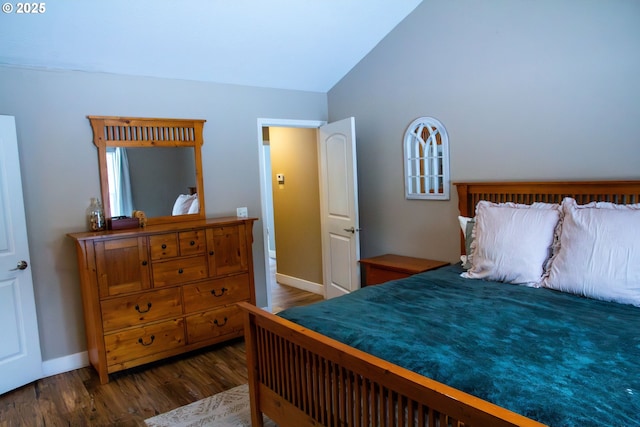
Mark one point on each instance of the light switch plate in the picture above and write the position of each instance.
(242, 212)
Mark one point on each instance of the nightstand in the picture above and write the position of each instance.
(387, 267)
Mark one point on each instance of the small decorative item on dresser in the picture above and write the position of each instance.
(95, 215)
(142, 217)
(122, 223)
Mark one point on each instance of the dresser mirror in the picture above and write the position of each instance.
(150, 165)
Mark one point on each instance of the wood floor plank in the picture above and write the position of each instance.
(77, 398)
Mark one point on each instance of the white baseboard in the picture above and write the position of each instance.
(295, 282)
(64, 364)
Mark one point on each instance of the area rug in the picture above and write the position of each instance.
(227, 409)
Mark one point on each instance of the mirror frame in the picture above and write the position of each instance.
(129, 132)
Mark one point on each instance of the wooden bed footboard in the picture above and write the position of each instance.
(299, 378)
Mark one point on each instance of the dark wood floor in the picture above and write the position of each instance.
(77, 398)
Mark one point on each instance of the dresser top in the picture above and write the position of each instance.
(160, 228)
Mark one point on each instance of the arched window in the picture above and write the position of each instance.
(426, 160)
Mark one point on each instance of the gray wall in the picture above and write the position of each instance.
(59, 165)
(528, 90)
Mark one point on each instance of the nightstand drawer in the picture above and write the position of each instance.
(387, 267)
(376, 275)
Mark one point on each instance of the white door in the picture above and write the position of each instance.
(20, 358)
(339, 206)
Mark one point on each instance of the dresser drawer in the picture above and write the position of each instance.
(215, 323)
(179, 271)
(163, 245)
(137, 309)
(144, 341)
(212, 293)
(192, 242)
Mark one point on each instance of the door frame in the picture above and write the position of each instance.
(264, 186)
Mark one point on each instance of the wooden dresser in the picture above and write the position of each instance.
(155, 292)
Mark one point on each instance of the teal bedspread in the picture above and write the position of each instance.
(557, 358)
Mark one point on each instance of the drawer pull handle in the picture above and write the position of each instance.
(192, 243)
(219, 324)
(164, 246)
(143, 311)
(211, 252)
(144, 262)
(222, 291)
(180, 271)
(141, 341)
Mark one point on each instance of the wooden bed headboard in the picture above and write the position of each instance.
(470, 193)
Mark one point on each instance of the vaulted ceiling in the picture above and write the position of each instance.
(290, 44)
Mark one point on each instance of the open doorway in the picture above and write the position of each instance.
(292, 150)
(336, 178)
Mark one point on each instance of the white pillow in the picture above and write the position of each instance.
(182, 204)
(512, 242)
(598, 252)
(195, 206)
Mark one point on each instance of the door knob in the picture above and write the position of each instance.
(22, 265)
(352, 230)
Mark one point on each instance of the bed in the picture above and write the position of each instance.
(563, 359)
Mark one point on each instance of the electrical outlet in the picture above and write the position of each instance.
(242, 212)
